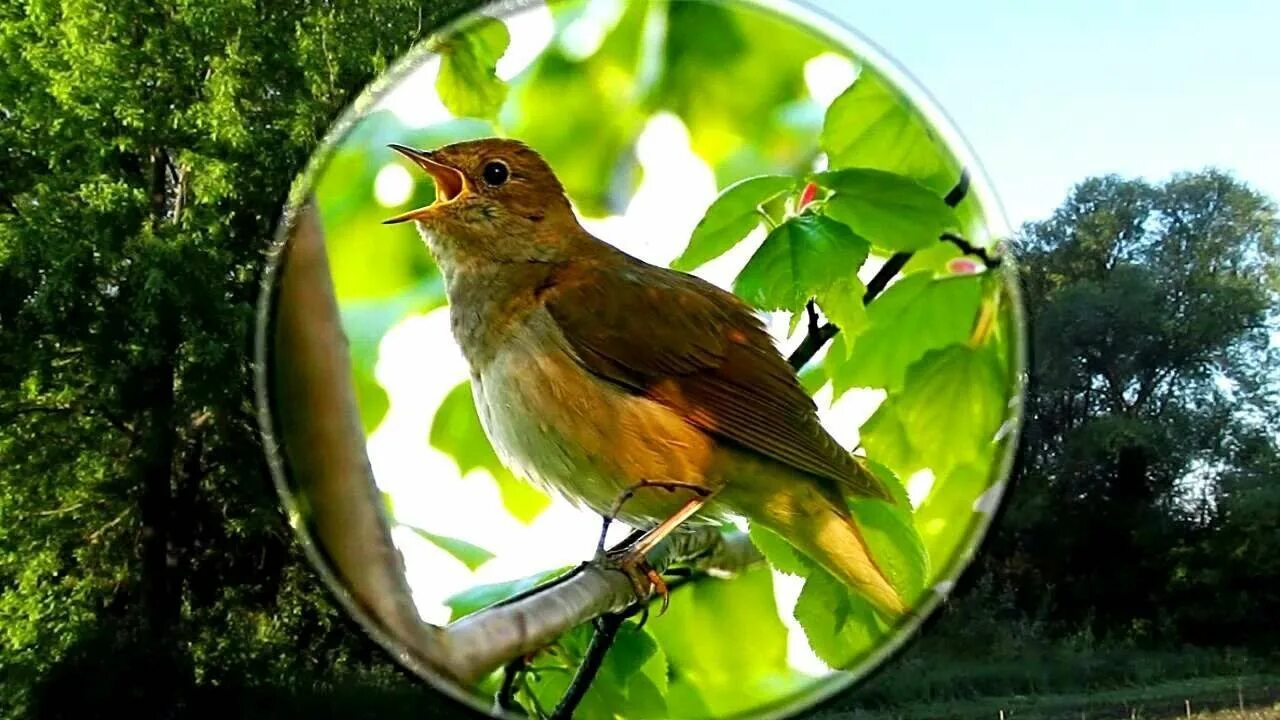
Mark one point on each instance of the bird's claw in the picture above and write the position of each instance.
(645, 580)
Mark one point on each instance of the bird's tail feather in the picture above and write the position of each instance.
(828, 536)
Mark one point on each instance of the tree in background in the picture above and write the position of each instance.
(1150, 461)
(147, 151)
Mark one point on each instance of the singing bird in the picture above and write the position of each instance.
(597, 375)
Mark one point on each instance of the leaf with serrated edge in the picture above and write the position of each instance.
(871, 125)
(805, 256)
(951, 405)
(779, 552)
(891, 536)
(729, 219)
(894, 212)
(916, 314)
(841, 627)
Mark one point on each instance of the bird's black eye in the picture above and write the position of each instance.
(496, 172)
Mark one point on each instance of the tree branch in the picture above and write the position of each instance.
(484, 641)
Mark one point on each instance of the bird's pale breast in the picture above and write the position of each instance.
(574, 433)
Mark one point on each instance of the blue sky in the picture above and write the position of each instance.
(1048, 93)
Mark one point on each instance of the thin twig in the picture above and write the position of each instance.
(506, 698)
(969, 249)
(960, 190)
(97, 533)
(606, 630)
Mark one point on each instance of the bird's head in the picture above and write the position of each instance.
(495, 199)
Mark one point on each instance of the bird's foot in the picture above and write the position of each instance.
(645, 580)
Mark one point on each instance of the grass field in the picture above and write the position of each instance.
(1045, 680)
(1216, 698)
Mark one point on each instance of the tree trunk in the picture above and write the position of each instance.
(161, 601)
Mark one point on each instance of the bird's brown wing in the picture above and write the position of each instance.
(699, 350)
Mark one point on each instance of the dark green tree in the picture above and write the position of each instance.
(1152, 308)
(146, 151)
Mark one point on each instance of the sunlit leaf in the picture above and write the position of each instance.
(456, 430)
(840, 626)
(482, 596)
(916, 314)
(886, 440)
(894, 212)
(713, 660)
(473, 556)
(933, 258)
(467, 83)
(891, 481)
(891, 536)
(951, 405)
(871, 125)
(805, 256)
(779, 552)
(946, 519)
(730, 218)
(842, 304)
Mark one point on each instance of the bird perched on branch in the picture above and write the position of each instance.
(600, 376)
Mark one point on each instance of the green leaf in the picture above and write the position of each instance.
(840, 626)
(473, 556)
(916, 314)
(726, 646)
(892, 539)
(805, 256)
(733, 215)
(468, 84)
(712, 54)
(631, 649)
(870, 125)
(522, 499)
(885, 439)
(482, 596)
(456, 430)
(645, 699)
(946, 520)
(779, 552)
(949, 409)
(894, 212)
(891, 481)
(842, 304)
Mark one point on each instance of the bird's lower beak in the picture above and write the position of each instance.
(449, 182)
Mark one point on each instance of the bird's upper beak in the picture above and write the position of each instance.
(449, 182)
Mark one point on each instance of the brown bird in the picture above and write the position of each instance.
(600, 376)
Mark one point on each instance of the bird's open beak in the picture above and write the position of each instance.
(449, 182)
